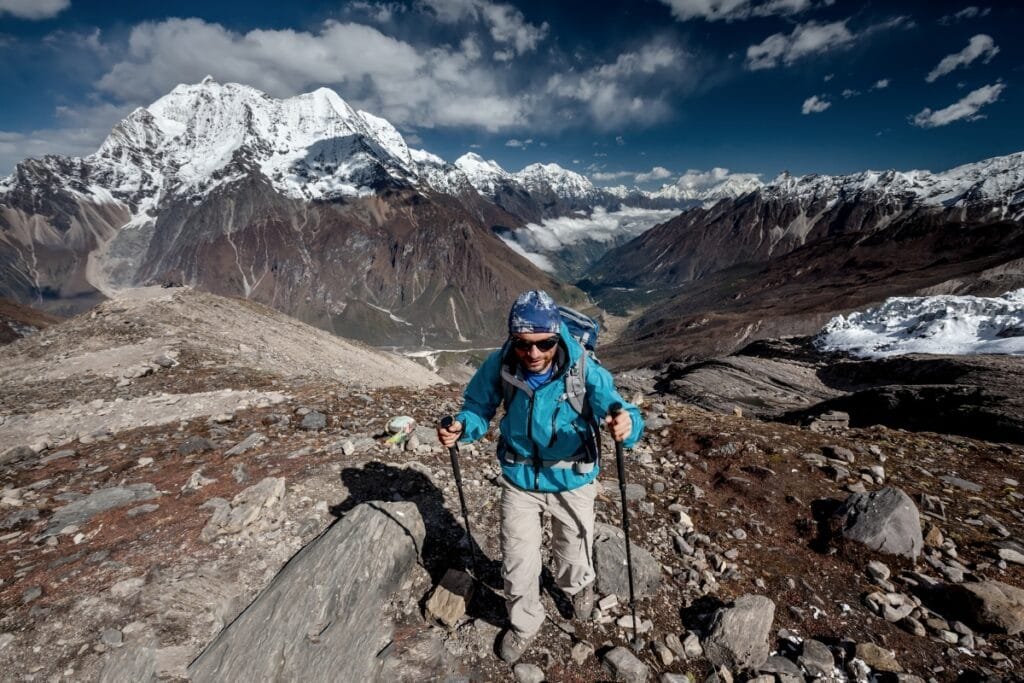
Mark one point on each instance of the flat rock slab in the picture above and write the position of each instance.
(885, 520)
(82, 510)
(321, 615)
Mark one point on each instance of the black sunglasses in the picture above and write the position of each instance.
(542, 345)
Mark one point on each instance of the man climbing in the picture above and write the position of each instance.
(554, 397)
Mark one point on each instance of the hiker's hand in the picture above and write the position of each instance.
(620, 425)
(448, 436)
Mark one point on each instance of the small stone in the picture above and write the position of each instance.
(314, 421)
(878, 658)
(528, 673)
(912, 625)
(143, 510)
(112, 637)
(581, 652)
(838, 453)
(626, 622)
(692, 647)
(625, 666)
(1011, 555)
(607, 602)
(673, 643)
(878, 570)
(31, 594)
(664, 653)
(816, 659)
(451, 598)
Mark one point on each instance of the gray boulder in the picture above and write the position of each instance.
(988, 605)
(885, 520)
(610, 564)
(322, 612)
(738, 636)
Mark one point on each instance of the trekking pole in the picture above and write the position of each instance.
(620, 461)
(446, 422)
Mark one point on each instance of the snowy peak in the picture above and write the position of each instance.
(999, 179)
(710, 186)
(485, 175)
(564, 183)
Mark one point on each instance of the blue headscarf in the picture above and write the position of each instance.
(534, 311)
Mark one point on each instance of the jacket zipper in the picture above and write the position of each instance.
(533, 444)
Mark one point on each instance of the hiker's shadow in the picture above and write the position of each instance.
(445, 545)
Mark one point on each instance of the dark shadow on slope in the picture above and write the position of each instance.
(444, 546)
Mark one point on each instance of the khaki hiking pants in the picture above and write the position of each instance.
(572, 526)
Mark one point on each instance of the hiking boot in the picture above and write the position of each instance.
(583, 603)
(513, 646)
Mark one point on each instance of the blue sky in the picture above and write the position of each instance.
(630, 92)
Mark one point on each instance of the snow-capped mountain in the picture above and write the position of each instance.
(303, 203)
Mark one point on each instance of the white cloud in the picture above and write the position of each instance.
(611, 176)
(521, 144)
(967, 108)
(614, 94)
(811, 38)
(829, 77)
(806, 39)
(405, 84)
(732, 10)
(815, 105)
(980, 46)
(656, 173)
(33, 9)
(506, 24)
(535, 240)
(847, 94)
(881, 84)
(83, 130)
(970, 12)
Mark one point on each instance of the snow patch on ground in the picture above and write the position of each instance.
(949, 325)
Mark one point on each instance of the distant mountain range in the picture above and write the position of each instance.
(325, 213)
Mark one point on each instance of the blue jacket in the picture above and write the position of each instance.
(541, 429)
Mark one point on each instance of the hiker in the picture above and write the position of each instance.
(548, 451)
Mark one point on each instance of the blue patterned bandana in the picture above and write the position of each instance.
(534, 311)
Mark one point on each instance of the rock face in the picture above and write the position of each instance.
(990, 605)
(738, 635)
(321, 613)
(886, 520)
(610, 564)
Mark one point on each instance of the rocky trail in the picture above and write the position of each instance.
(135, 548)
(174, 507)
